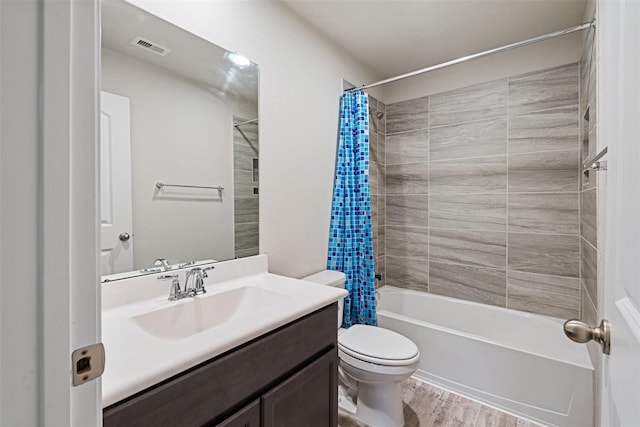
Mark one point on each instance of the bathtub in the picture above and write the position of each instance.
(517, 362)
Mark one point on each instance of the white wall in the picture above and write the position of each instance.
(180, 134)
(559, 51)
(300, 83)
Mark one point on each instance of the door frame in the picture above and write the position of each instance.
(619, 129)
(50, 295)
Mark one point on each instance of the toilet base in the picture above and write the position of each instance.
(376, 404)
(346, 402)
(374, 391)
(380, 405)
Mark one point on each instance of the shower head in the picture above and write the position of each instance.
(377, 114)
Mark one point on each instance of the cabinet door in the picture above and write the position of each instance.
(309, 398)
(249, 416)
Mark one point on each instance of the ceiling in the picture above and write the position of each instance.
(393, 37)
(191, 57)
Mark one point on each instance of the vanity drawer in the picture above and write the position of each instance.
(215, 389)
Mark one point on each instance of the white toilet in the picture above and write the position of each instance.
(373, 363)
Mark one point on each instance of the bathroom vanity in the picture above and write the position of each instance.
(284, 378)
(269, 357)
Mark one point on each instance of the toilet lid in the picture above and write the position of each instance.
(376, 343)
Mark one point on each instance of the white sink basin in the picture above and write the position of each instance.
(149, 339)
(202, 313)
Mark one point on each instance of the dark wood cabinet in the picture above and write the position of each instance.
(306, 399)
(286, 378)
(249, 416)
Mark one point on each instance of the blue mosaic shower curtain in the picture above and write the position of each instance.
(350, 234)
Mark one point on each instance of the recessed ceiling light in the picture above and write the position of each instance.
(238, 59)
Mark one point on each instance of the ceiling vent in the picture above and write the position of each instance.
(150, 46)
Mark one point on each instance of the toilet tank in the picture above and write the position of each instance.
(330, 278)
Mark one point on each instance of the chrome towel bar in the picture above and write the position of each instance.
(160, 186)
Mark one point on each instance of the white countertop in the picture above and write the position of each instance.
(136, 359)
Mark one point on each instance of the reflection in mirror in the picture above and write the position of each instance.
(179, 147)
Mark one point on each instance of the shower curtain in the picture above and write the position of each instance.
(350, 234)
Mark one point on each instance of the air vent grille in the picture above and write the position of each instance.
(150, 46)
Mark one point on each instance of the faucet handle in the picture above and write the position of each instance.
(204, 270)
(163, 263)
(200, 271)
(175, 292)
(200, 274)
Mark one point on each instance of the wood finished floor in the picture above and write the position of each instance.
(429, 406)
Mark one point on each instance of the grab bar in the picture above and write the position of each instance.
(160, 186)
(594, 163)
(246, 122)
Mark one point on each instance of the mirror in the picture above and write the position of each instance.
(179, 147)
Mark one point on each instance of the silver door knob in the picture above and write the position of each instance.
(581, 332)
(124, 236)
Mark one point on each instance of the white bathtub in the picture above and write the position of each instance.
(518, 362)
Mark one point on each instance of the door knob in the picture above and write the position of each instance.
(124, 236)
(581, 332)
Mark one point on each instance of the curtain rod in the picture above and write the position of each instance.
(477, 55)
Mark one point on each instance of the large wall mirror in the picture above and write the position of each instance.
(179, 147)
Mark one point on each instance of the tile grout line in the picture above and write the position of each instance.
(489, 156)
(428, 194)
(544, 110)
(580, 185)
(488, 193)
(484, 119)
(544, 274)
(486, 230)
(506, 284)
(384, 187)
(497, 117)
(484, 267)
(546, 234)
(402, 132)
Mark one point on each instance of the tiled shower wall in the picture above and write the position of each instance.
(482, 193)
(591, 196)
(376, 185)
(245, 178)
(589, 193)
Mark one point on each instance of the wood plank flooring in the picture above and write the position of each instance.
(429, 406)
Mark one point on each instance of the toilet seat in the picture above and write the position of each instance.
(378, 346)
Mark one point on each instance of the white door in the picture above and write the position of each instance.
(619, 112)
(116, 232)
(50, 294)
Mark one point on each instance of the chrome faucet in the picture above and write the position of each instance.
(197, 287)
(163, 263)
(175, 293)
(198, 274)
(186, 264)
